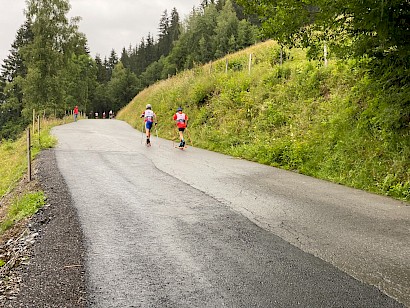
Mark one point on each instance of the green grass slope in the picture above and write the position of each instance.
(18, 198)
(336, 123)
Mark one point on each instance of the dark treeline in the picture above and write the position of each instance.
(49, 68)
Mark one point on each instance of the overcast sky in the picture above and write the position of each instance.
(107, 24)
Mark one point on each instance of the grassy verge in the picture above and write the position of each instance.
(337, 123)
(21, 208)
(13, 155)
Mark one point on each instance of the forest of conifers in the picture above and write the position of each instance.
(50, 69)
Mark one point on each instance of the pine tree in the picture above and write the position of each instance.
(11, 94)
(174, 28)
(247, 34)
(140, 57)
(164, 40)
(13, 65)
(102, 74)
(151, 52)
(125, 59)
(227, 26)
(112, 60)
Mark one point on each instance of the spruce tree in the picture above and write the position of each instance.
(13, 72)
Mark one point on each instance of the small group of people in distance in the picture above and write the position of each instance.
(150, 119)
(96, 115)
(75, 113)
(104, 115)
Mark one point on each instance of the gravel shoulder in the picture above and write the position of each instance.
(49, 267)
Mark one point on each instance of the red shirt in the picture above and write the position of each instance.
(181, 119)
(75, 110)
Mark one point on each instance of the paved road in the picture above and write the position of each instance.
(172, 228)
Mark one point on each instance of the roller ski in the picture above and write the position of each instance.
(181, 145)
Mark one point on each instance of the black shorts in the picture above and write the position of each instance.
(181, 129)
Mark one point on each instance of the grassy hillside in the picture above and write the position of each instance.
(336, 123)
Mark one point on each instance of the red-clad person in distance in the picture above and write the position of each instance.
(181, 120)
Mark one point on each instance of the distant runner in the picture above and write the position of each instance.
(149, 118)
(75, 113)
(182, 123)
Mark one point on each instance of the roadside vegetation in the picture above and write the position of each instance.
(22, 207)
(336, 122)
(13, 155)
(20, 199)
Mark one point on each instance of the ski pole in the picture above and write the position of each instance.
(156, 132)
(142, 131)
(177, 138)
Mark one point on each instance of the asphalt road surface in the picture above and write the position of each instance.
(172, 228)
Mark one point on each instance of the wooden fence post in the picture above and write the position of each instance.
(325, 53)
(38, 130)
(34, 120)
(28, 154)
(250, 63)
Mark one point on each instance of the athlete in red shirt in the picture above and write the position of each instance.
(75, 113)
(182, 122)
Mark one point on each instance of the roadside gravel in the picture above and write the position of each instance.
(53, 274)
